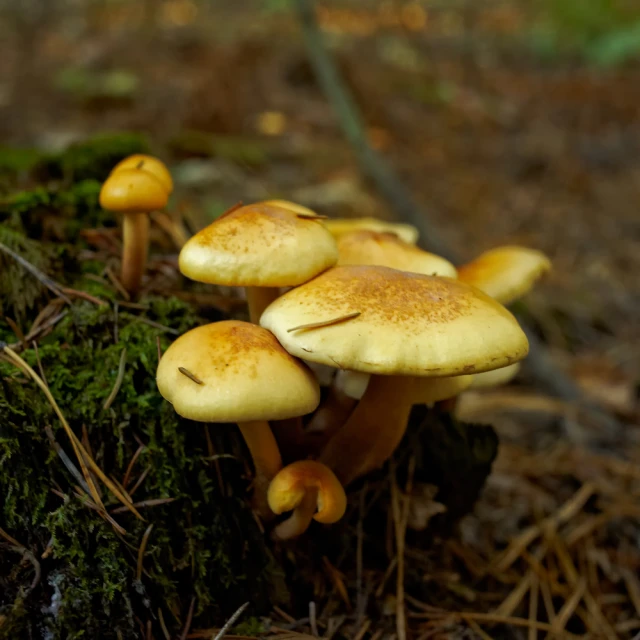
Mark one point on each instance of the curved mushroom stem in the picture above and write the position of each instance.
(373, 430)
(377, 424)
(135, 235)
(258, 299)
(330, 415)
(298, 522)
(266, 460)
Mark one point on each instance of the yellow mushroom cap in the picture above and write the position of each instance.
(259, 246)
(437, 389)
(150, 165)
(495, 378)
(133, 191)
(245, 375)
(289, 486)
(340, 226)
(505, 273)
(408, 324)
(388, 250)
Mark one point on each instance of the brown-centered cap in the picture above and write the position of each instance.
(234, 371)
(259, 245)
(388, 250)
(340, 226)
(133, 191)
(149, 164)
(505, 273)
(389, 322)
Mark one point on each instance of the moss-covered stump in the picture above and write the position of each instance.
(66, 570)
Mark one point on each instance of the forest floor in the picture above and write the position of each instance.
(499, 148)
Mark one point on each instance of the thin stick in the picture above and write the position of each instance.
(118, 383)
(313, 623)
(230, 622)
(141, 550)
(325, 323)
(308, 216)
(127, 473)
(65, 459)
(17, 330)
(34, 333)
(191, 376)
(163, 626)
(153, 502)
(140, 480)
(75, 293)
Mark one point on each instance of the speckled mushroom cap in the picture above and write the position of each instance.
(388, 250)
(409, 324)
(259, 246)
(340, 226)
(133, 191)
(505, 273)
(150, 165)
(245, 374)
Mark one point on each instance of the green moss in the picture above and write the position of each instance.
(204, 544)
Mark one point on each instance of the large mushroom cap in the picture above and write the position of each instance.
(241, 374)
(340, 226)
(133, 191)
(388, 250)
(408, 324)
(150, 165)
(505, 273)
(259, 246)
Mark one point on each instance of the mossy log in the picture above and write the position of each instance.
(65, 571)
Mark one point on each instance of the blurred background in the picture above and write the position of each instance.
(508, 121)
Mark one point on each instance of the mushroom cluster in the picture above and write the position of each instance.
(365, 313)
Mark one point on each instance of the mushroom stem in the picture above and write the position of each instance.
(331, 415)
(374, 428)
(298, 522)
(135, 234)
(258, 299)
(267, 461)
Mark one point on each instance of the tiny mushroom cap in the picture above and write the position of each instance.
(505, 273)
(388, 250)
(150, 165)
(309, 489)
(244, 375)
(340, 226)
(383, 321)
(133, 191)
(495, 378)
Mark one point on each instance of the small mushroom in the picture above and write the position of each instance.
(309, 489)
(262, 248)
(242, 375)
(340, 226)
(505, 273)
(135, 193)
(419, 336)
(151, 165)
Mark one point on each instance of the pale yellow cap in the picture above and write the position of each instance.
(340, 226)
(505, 273)
(437, 389)
(495, 378)
(245, 375)
(259, 246)
(150, 165)
(408, 324)
(133, 191)
(388, 250)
